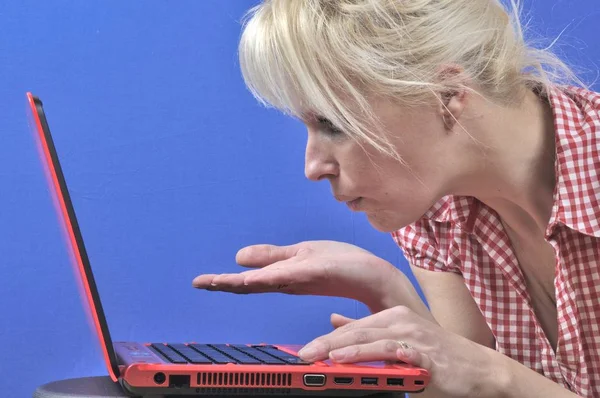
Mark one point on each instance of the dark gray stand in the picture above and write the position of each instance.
(85, 387)
(100, 387)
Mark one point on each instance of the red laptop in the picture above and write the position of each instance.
(188, 368)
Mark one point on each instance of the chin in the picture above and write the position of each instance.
(385, 222)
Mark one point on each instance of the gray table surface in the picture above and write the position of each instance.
(85, 387)
(104, 387)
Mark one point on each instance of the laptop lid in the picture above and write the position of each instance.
(66, 213)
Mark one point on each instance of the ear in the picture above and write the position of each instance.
(452, 101)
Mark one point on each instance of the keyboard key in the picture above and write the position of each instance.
(262, 356)
(239, 356)
(190, 354)
(288, 358)
(171, 355)
(210, 352)
(226, 353)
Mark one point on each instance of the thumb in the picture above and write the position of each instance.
(257, 256)
(338, 320)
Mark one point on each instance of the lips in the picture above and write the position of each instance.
(354, 204)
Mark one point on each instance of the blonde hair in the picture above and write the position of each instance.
(327, 57)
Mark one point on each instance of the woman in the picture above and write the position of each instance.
(481, 157)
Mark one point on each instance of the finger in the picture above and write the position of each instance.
(228, 281)
(203, 281)
(222, 280)
(233, 283)
(338, 320)
(381, 350)
(261, 281)
(381, 320)
(413, 357)
(320, 348)
(257, 256)
(270, 277)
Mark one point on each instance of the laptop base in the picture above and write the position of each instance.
(245, 392)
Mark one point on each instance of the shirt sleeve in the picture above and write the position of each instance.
(425, 244)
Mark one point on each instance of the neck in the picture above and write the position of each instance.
(512, 169)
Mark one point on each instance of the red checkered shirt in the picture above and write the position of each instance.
(463, 235)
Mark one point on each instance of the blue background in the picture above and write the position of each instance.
(173, 167)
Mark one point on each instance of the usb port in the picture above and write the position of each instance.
(343, 380)
(397, 381)
(370, 381)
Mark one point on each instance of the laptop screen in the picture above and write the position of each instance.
(66, 213)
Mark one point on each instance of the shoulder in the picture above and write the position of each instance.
(576, 108)
(582, 95)
(428, 242)
(577, 123)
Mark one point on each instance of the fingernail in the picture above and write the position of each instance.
(308, 353)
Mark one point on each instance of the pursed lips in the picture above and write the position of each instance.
(351, 202)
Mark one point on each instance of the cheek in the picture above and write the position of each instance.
(399, 183)
(404, 201)
(359, 171)
(412, 196)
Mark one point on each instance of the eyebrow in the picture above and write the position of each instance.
(321, 120)
(324, 121)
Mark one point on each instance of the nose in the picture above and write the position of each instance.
(319, 162)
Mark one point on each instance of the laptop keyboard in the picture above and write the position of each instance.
(226, 353)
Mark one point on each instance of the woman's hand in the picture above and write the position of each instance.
(458, 366)
(323, 268)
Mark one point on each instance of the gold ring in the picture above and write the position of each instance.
(404, 345)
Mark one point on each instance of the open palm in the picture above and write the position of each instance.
(324, 268)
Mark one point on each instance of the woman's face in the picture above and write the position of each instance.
(392, 195)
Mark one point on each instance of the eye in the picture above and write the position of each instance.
(326, 125)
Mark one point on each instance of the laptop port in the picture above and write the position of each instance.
(160, 378)
(343, 380)
(314, 380)
(419, 383)
(398, 381)
(179, 381)
(368, 381)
